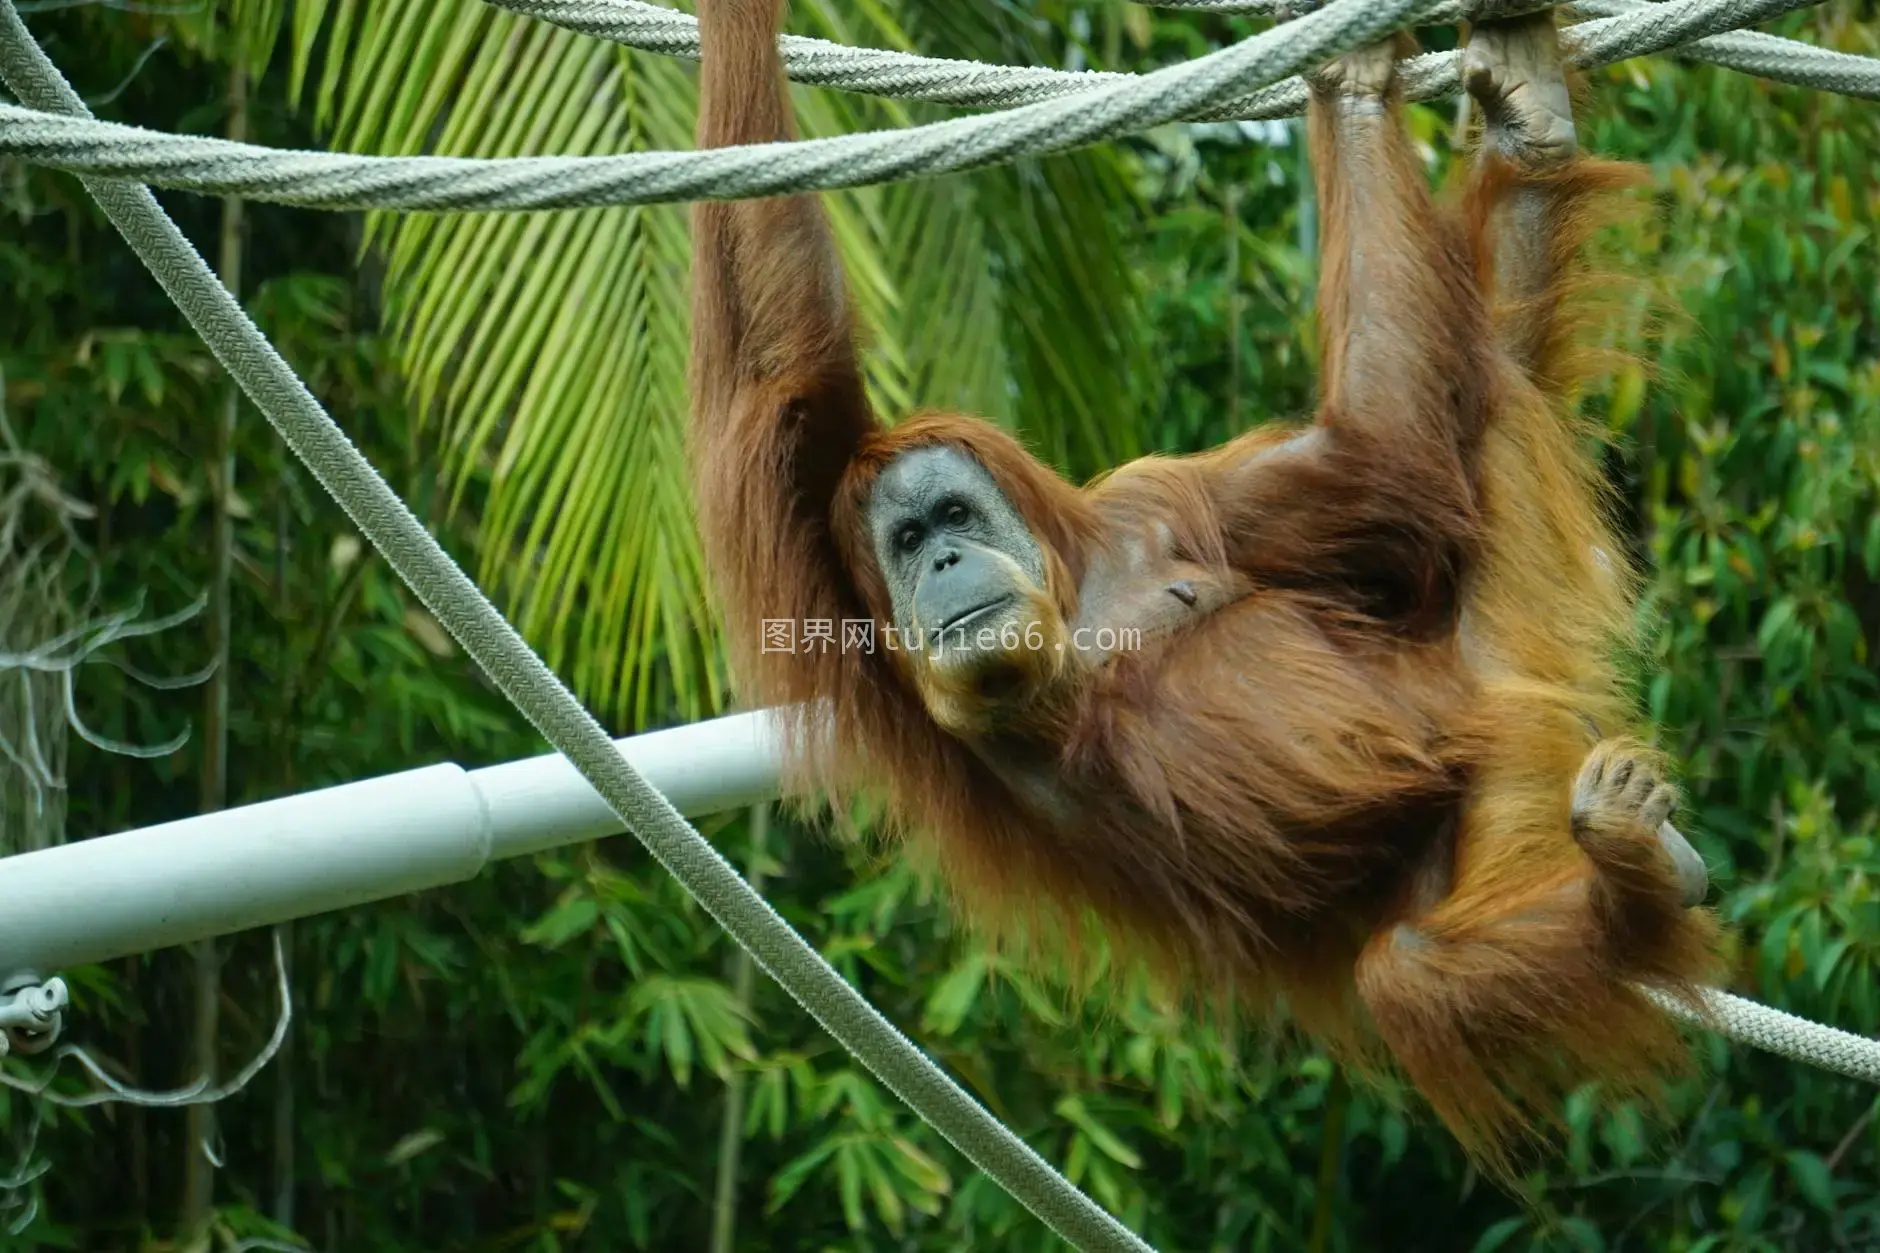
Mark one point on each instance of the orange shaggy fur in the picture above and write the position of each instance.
(1257, 797)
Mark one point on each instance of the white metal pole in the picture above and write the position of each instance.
(97, 899)
(704, 768)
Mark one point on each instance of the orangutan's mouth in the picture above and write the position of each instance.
(976, 612)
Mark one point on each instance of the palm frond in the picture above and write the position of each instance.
(545, 354)
(1021, 277)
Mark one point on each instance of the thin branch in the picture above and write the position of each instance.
(1853, 1133)
(136, 69)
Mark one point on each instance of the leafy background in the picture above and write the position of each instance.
(565, 1053)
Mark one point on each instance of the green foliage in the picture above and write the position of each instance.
(539, 1059)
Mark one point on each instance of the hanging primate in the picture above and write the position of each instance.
(1313, 717)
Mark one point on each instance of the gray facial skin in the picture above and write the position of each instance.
(939, 525)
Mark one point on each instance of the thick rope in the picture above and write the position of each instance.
(820, 63)
(1767, 56)
(535, 691)
(975, 84)
(1782, 1033)
(463, 184)
(342, 181)
(1283, 10)
(1287, 10)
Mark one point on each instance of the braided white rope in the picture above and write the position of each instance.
(330, 180)
(1767, 56)
(975, 84)
(1782, 1033)
(820, 63)
(1286, 10)
(342, 181)
(1747, 52)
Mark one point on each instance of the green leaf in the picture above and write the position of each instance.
(547, 352)
(1812, 1178)
(769, 1103)
(692, 1019)
(918, 1168)
(795, 1173)
(881, 1187)
(1497, 1235)
(1781, 614)
(572, 916)
(849, 1184)
(412, 1145)
(1582, 1234)
(1073, 1109)
(954, 997)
